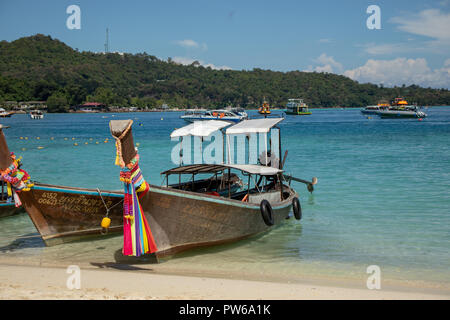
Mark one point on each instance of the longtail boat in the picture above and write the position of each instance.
(192, 214)
(64, 214)
(8, 208)
(7, 204)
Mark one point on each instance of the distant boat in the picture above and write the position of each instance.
(5, 114)
(405, 112)
(238, 111)
(401, 109)
(36, 114)
(297, 107)
(375, 109)
(264, 109)
(225, 115)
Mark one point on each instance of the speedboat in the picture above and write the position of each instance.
(402, 112)
(36, 114)
(374, 109)
(239, 111)
(221, 114)
(5, 114)
(401, 109)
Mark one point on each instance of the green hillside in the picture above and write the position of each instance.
(42, 68)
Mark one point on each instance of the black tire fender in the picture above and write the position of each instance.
(297, 208)
(267, 213)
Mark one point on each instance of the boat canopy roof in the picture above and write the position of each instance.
(213, 168)
(200, 128)
(254, 126)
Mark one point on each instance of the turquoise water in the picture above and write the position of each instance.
(383, 196)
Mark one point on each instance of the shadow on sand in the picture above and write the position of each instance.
(30, 240)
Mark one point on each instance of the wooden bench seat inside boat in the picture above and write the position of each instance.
(207, 185)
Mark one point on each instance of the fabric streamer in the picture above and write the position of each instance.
(17, 180)
(137, 236)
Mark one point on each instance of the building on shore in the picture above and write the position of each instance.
(90, 107)
(24, 106)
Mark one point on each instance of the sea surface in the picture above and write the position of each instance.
(383, 196)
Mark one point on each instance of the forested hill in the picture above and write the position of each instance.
(42, 68)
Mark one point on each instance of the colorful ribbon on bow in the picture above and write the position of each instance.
(137, 236)
(16, 179)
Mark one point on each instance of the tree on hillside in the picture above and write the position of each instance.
(35, 68)
(57, 102)
(105, 96)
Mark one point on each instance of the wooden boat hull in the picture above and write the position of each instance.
(64, 214)
(181, 220)
(9, 209)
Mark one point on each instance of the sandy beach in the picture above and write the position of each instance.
(35, 282)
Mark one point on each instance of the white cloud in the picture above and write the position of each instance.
(402, 71)
(389, 72)
(325, 40)
(189, 61)
(326, 64)
(189, 43)
(386, 48)
(431, 23)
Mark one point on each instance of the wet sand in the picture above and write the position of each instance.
(43, 282)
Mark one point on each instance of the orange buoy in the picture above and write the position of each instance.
(106, 222)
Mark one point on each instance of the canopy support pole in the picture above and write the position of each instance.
(229, 150)
(279, 148)
(223, 146)
(248, 186)
(265, 141)
(281, 185)
(229, 183)
(181, 151)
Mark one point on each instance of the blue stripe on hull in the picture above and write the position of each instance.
(157, 190)
(11, 204)
(83, 192)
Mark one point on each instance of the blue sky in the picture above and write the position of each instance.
(412, 45)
